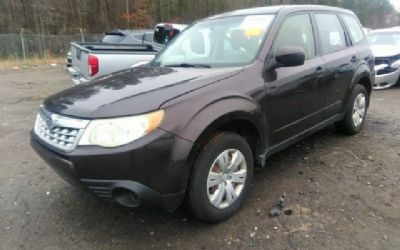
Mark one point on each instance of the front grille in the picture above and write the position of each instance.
(386, 71)
(386, 60)
(59, 131)
(386, 64)
(379, 61)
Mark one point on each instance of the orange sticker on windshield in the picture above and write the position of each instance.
(253, 32)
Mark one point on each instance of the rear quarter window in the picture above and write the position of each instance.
(355, 30)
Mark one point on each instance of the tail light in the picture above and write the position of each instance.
(93, 63)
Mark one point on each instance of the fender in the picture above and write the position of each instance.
(363, 70)
(212, 113)
(199, 122)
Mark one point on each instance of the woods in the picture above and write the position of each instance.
(96, 16)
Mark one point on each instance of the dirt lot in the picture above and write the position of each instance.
(344, 191)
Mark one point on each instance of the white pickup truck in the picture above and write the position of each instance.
(93, 60)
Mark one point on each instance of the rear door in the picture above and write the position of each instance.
(294, 95)
(339, 57)
(362, 47)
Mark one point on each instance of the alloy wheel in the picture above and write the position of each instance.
(226, 178)
(359, 109)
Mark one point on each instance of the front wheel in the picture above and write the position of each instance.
(221, 177)
(356, 113)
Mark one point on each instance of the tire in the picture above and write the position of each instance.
(208, 180)
(350, 125)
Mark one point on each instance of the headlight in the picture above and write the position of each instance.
(120, 131)
(396, 64)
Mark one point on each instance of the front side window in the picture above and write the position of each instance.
(297, 31)
(331, 33)
(356, 32)
(230, 41)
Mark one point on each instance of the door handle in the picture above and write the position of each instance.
(319, 68)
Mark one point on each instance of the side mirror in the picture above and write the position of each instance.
(288, 56)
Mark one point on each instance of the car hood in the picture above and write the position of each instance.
(385, 50)
(133, 91)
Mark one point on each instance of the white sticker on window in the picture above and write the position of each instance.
(256, 22)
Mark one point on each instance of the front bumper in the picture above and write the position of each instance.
(152, 168)
(386, 80)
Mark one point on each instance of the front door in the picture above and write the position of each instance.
(294, 95)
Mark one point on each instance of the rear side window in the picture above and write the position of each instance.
(297, 31)
(356, 32)
(331, 33)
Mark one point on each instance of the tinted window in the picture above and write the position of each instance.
(297, 31)
(356, 32)
(331, 33)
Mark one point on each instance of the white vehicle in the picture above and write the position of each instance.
(367, 30)
(385, 46)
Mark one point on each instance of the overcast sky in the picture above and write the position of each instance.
(396, 3)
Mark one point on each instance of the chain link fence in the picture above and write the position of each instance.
(27, 45)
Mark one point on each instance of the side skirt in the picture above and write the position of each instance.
(276, 148)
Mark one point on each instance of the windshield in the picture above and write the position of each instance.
(232, 41)
(384, 39)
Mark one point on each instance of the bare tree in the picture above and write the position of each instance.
(96, 16)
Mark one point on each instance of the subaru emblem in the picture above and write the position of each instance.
(49, 122)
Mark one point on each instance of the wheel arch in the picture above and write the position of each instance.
(366, 82)
(238, 122)
(363, 76)
(238, 115)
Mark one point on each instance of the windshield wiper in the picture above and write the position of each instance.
(189, 65)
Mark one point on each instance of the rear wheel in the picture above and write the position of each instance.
(221, 177)
(356, 113)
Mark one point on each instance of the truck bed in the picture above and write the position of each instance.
(123, 48)
(110, 58)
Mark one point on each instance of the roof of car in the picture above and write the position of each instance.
(279, 8)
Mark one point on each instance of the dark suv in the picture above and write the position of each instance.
(224, 95)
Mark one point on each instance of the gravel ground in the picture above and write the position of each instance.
(344, 191)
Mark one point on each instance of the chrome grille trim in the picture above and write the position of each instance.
(59, 131)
